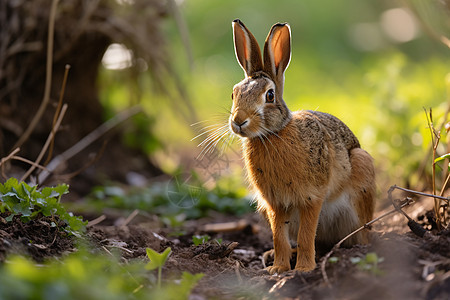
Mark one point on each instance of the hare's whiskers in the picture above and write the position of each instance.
(212, 140)
(227, 142)
(210, 128)
(209, 148)
(215, 133)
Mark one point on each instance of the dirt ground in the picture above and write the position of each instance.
(409, 267)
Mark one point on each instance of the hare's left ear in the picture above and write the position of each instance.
(277, 50)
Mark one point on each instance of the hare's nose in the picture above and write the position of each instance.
(240, 118)
(240, 123)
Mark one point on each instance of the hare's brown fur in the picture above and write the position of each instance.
(313, 181)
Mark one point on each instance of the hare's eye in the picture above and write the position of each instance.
(270, 96)
(232, 96)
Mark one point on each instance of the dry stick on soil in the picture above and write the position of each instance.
(415, 227)
(96, 221)
(48, 77)
(421, 193)
(87, 140)
(129, 218)
(335, 247)
(440, 197)
(47, 143)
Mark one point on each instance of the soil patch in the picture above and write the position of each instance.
(407, 266)
(39, 239)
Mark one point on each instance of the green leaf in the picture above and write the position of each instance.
(200, 239)
(23, 208)
(355, 260)
(187, 283)
(442, 157)
(157, 260)
(333, 260)
(371, 258)
(9, 184)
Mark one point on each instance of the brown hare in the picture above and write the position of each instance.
(313, 181)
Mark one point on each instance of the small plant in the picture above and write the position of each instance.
(200, 239)
(369, 263)
(28, 202)
(333, 259)
(184, 288)
(157, 261)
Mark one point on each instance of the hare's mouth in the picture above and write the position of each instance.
(244, 129)
(239, 128)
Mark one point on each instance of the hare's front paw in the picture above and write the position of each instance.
(305, 267)
(277, 269)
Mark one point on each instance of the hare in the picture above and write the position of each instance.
(314, 183)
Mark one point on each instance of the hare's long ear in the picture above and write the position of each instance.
(277, 50)
(247, 49)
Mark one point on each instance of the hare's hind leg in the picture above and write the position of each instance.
(363, 188)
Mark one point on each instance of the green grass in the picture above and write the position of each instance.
(175, 200)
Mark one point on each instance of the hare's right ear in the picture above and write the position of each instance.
(277, 50)
(247, 49)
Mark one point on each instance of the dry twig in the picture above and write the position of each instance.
(12, 156)
(96, 221)
(435, 139)
(47, 143)
(57, 112)
(87, 140)
(48, 77)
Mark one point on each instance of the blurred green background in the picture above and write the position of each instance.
(373, 64)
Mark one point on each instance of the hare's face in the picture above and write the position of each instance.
(258, 108)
